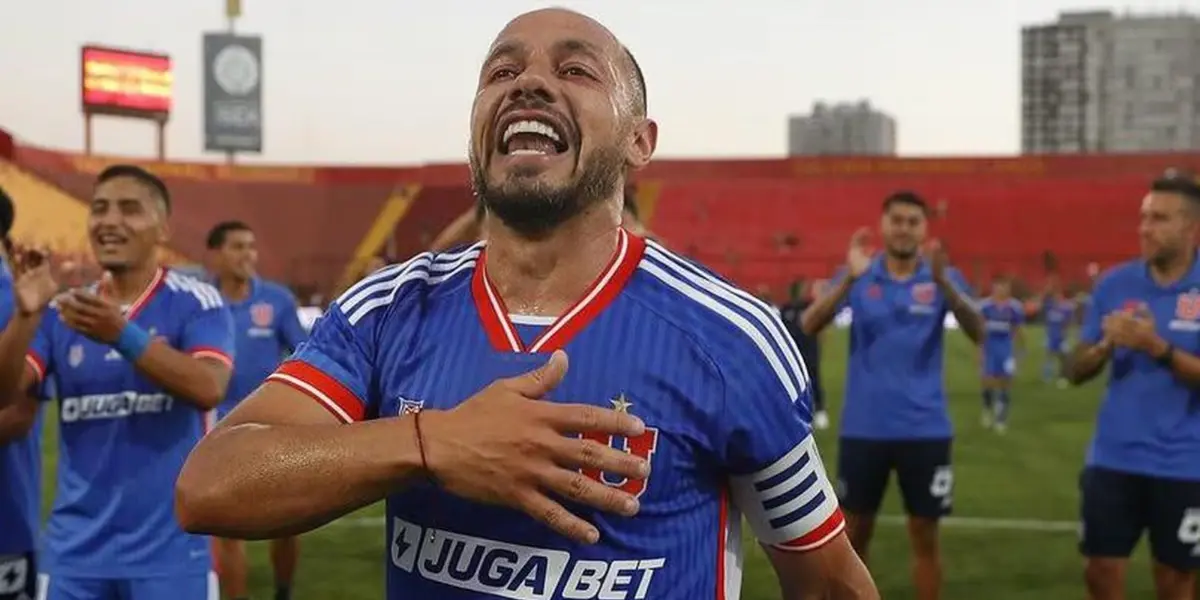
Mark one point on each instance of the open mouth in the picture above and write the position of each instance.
(526, 137)
(109, 241)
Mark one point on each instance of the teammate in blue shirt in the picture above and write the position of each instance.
(1059, 314)
(1143, 466)
(458, 363)
(20, 458)
(895, 418)
(139, 361)
(267, 329)
(1003, 316)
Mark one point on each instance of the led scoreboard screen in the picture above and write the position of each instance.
(125, 82)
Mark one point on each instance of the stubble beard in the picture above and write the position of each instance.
(533, 208)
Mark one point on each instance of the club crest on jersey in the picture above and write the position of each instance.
(75, 355)
(924, 293)
(410, 407)
(642, 446)
(1187, 306)
(874, 292)
(262, 314)
(1133, 306)
(1187, 312)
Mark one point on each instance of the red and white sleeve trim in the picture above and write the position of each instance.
(335, 397)
(823, 534)
(38, 365)
(213, 354)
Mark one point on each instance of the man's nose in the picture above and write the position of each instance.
(531, 85)
(107, 217)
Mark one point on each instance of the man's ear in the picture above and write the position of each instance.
(164, 232)
(642, 143)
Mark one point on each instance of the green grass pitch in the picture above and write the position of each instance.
(1019, 483)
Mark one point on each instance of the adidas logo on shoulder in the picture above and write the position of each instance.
(206, 294)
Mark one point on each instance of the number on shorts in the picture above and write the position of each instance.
(1189, 530)
(942, 484)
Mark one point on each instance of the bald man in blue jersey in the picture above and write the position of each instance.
(1143, 466)
(442, 383)
(895, 413)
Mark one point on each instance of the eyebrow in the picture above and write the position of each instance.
(123, 201)
(504, 49)
(574, 46)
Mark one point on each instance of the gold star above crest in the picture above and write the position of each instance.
(621, 403)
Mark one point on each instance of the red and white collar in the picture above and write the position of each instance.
(503, 335)
(133, 308)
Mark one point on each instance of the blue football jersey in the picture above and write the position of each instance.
(267, 329)
(1058, 313)
(123, 439)
(894, 380)
(20, 466)
(709, 368)
(1000, 321)
(1149, 421)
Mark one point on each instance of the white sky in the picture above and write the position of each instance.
(391, 81)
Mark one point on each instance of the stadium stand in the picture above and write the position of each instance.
(49, 215)
(759, 222)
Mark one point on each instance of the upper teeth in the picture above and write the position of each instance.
(530, 127)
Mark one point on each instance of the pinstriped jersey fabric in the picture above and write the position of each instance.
(709, 368)
(123, 439)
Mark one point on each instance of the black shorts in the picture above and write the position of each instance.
(812, 363)
(1116, 507)
(923, 469)
(18, 577)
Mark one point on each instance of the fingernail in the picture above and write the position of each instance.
(639, 426)
(631, 506)
(592, 536)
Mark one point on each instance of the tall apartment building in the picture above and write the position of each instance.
(1099, 82)
(845, 129)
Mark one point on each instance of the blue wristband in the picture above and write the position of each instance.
(132, 342)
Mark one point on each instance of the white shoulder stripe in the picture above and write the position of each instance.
(207, 295)
(440, 273)
(739, 321)
(380, 280)
(768, 317)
